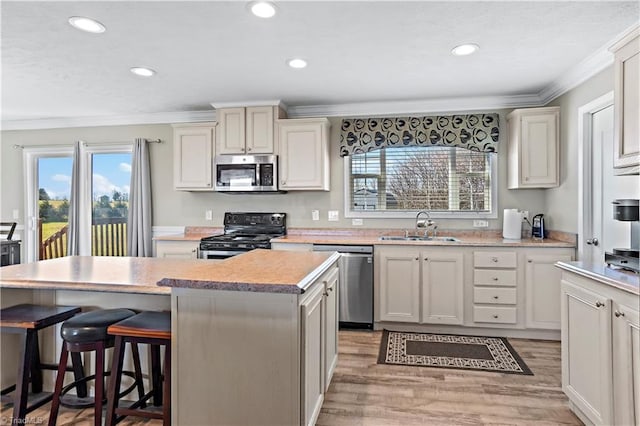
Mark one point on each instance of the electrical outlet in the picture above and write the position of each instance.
(480, 224)
(356, 222)
(16, 214)
(525, 216)
(208, 215)
(315, 214)
(333, 215)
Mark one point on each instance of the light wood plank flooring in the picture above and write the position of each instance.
(365, 393)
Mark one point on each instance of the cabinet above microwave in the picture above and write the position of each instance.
(247, 130)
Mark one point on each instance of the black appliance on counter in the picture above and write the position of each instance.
(537, 226)
(626, 210)
(243, 232)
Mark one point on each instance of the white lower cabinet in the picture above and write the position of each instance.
(600, 351)
(399, 283)
(312, 355)
(177, 249)
(626, 365)
(442, 287)
(430, 293)
(542, 286)
(331, 326)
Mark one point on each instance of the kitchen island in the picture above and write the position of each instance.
(254, 337)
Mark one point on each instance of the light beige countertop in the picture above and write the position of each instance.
(488, 238)
(259, 270)
(624, 280)
(467, 238)
(273, 271)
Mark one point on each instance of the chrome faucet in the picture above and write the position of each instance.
(426, 224)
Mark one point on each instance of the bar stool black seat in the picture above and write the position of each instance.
(152, 328)
(83, 333)
(27, 320)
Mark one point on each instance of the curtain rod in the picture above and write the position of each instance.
(17, 146)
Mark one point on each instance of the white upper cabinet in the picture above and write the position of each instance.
(533, 148)
(193, 156)
(626, 156)
(246, 130)
(304, 154)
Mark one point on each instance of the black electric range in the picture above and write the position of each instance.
(243, 231)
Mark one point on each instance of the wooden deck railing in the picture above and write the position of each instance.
(108, 238)
(55, 245)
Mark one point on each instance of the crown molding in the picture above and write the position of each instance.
(592, 65)
(112, 120)
(415, 107)
(271, 102)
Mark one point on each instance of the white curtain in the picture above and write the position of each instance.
(73, 233)
(139, 220)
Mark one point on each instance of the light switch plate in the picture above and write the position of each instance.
(333, 215)
(480, 224)
(208, 215)
(315, 214)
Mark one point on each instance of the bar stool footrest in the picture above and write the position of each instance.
(72, 401)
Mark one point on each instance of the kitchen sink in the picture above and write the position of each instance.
(417, 238)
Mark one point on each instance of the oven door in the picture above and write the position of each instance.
(218, 254)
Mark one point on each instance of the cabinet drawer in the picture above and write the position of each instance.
(494, 259)
(494, 314)
(495, 277)
(499, 296)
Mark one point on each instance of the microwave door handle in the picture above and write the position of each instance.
(258, 183)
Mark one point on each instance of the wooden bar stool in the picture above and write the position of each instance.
(27, 320)
(152, 328)
(83, 333)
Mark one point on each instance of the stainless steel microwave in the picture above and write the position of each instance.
(246, 173)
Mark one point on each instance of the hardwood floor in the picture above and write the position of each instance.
(364, 393)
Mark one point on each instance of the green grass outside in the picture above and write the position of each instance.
(50, 228)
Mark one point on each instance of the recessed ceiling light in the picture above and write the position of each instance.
(262, 9)
(297, 63)
(86, 24)
(465, 49)
(142, 71)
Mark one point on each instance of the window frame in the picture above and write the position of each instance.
(391, 214)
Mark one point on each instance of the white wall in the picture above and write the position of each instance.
(178, 208)
(562, 202)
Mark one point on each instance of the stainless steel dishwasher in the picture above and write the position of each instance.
(355, 297)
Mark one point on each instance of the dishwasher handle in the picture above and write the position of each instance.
(343, 248)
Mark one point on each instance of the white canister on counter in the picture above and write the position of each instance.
(512, 224)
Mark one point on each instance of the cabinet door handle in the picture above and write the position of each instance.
(618, 314)
(249, 149)
(495, 297)
(330, 288)
(530, 261)
(599, 304)
(494, 259)
(495, 278)
(495, 316)
(194, 250)
(417, 258)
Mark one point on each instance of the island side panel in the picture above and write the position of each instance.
(236, 358)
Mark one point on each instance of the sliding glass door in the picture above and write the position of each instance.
(103, 194)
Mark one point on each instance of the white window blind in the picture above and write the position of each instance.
(414, 178)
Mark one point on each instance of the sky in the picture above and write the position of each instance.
(111, 172)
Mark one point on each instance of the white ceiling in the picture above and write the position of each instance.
(359, 52)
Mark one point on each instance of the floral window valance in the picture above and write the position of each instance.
(476, 132)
